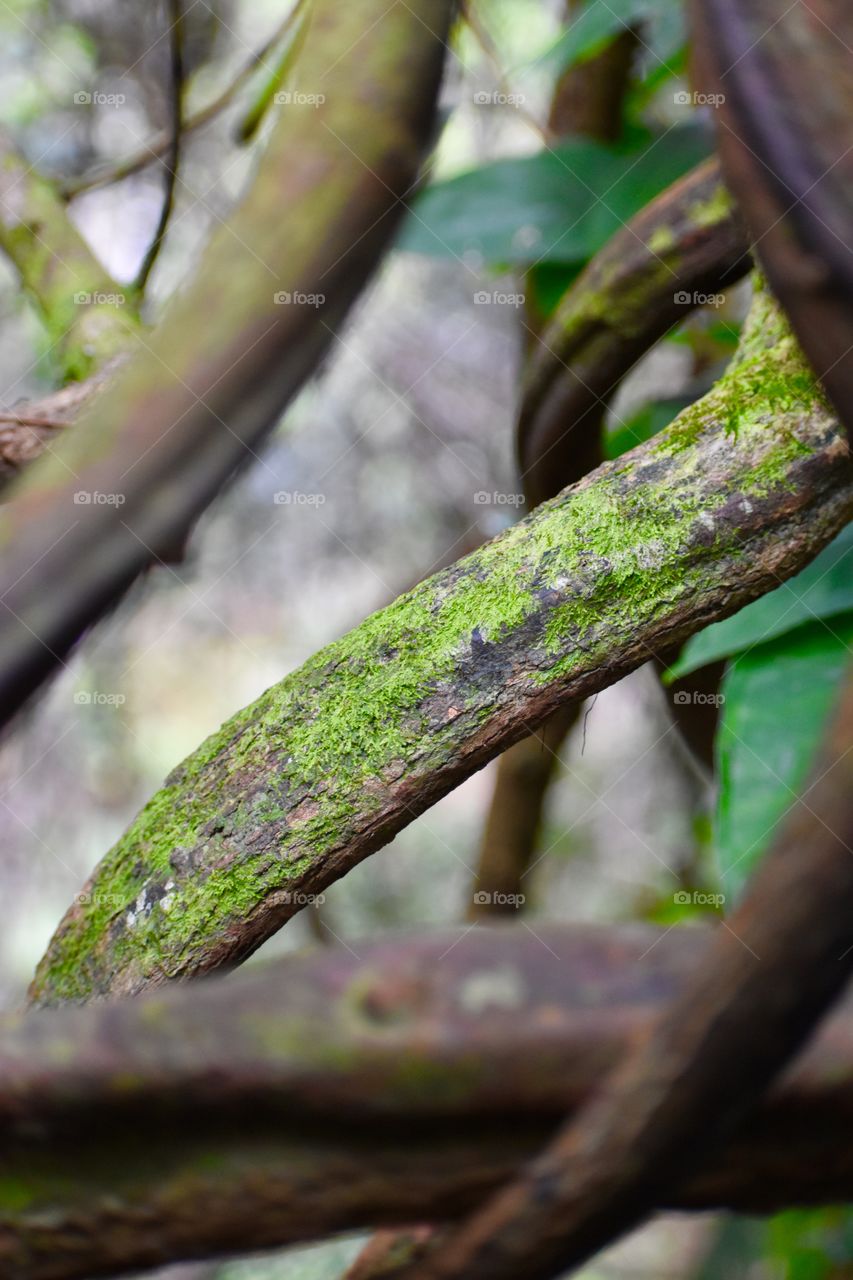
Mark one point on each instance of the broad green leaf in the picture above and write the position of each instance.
(777, 698)
(824, 589)
(558, 205)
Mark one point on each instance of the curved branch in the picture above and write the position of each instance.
(787, 153)
(689, 241)
(207, 387)
(766, 980)
(329, 1091)
(325, 768)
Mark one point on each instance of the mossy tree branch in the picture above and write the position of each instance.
(329, 1092)
(688, 242)
(88, 315)
(209, 384)
(327, 766)
(786, 154)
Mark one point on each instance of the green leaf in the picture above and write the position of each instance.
(599, 21)
(776, 699)
(823, 590)
(557, 205)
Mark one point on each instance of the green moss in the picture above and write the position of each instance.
(286, 785)
(16, 1195)
(662, 240)
(717, 208)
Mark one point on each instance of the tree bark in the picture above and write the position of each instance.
(335, 1091)
(203, 391)
(741, 492)
(89, 316)
(690, 241)
(785, 136)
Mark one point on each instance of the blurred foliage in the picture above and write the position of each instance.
(559, 205)
(661, 24)
(777, 700)
(802, 1244)
(788, 652)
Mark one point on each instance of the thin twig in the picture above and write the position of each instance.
(158, 146)
(492, 54)
(176, 95)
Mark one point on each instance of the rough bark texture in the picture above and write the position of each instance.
(332, 1091)
(327, 766)
(688, 242)
(28, 429)
(237, 344)
(587, 100)
(785, 134)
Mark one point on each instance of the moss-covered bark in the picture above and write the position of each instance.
(88, 315)
(686, 244)
(331, 1091)
(785, 136)
(327, 766)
